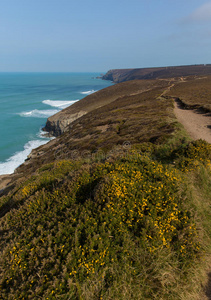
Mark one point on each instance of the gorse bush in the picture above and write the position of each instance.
(193, 154)
(100, 230)
(143, 198)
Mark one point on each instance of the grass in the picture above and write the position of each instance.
(125, 227)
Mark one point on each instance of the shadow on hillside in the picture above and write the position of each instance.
(180, 104)
(7, 207)
(208, 287)
(195, 108)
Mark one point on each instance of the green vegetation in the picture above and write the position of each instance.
(132, 226)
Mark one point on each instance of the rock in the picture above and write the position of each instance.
(59, 123)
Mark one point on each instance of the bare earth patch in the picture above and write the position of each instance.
(197, 124)
(4, 180)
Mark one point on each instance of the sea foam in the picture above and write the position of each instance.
(88, 92)
(18, 158)
(44, 135)
(36, 113)
(61, 104)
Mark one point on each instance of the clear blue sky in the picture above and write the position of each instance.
(98, 35)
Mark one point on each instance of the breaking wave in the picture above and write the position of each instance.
(18, 158)
(88, 92)
(36, 113)
(61, 104)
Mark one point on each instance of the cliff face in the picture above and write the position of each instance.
(117, 75)
(58, 123)
(120, 75)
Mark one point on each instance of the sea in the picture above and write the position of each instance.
(27, 100)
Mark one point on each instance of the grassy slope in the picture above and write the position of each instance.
(134, 113)
(124, 224)
(100, 99)
(131, 118)
(194, 93)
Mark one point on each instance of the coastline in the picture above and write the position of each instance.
(61, 91)
(18, 158)
(62, 121)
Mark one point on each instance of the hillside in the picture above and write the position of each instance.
(117, 205)
(135, 113)
(120, 75)
(59, 123)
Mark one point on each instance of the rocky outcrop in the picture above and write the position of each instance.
(59, 123)
(117, 75)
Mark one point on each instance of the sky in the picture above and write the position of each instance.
(98, 35)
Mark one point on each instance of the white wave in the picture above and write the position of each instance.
(36, 113)
(88, 92)
(44, 135)
(18, 158)
(61, 104)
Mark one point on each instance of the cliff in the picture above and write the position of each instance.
(120, 75)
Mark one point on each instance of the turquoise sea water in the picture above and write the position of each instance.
(27, 100)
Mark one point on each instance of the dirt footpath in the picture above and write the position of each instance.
(196, 123)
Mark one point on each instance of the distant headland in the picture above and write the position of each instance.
(120, 75)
